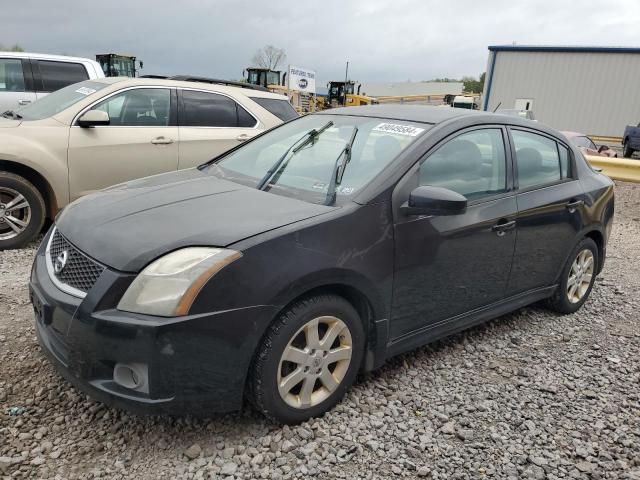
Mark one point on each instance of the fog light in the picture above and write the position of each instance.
(133, 376)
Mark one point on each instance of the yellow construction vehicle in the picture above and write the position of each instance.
(273, 81)
(346, 94)
(118, 65)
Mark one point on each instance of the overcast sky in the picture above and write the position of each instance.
(384, 40)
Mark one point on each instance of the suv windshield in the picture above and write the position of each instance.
(59, 100)
(306, 173)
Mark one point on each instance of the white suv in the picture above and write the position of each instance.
(26, 77)
(98, 133)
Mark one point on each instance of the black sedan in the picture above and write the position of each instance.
(317, 250)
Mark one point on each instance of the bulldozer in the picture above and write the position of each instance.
(346, 94)
(275, 81)
(118, 65)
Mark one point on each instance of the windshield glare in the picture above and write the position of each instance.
(59, 100)
(307, 173)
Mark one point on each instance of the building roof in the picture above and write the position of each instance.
(400, 89)
(411, 113)
(562, 49)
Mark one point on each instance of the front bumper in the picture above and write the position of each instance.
(197, 364)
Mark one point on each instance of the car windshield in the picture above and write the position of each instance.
(306, 172)
(59, 100)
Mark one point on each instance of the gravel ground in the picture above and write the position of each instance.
(528, 395)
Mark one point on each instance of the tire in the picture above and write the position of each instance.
(563, 301)
(627, 151)
(270, 370)
(13, 234)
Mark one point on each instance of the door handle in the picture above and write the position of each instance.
(242, 137)
(24, 102)
(503, 226)
(162, 141)
(574, 204)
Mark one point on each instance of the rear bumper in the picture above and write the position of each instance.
(196, 364)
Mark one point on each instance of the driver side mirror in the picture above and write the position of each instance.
(427, 200)
(93, 118)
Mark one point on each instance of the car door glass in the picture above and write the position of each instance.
(11, 76)
(472, 164)
(564, 161)
(140, 107)
(537, 159)
(56, 75)
(203, 109)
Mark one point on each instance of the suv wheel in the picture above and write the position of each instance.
(578, 276)
(22, 211)
(627, 152)
(307, 360)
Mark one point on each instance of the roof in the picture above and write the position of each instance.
(164, 82)
(396, 89)
(412, 113)
(562, 49)
(45, 56)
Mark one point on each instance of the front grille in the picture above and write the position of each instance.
(79, 272)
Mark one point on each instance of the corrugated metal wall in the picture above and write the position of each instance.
(592, 93)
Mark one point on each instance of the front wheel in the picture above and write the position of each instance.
(22, 211)
(307, 360)
(577, 278)
(627, 151)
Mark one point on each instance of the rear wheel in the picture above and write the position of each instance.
(22, 211)
(577, 280)
(307, 360)
(627, 151)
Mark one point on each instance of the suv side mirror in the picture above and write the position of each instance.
(93, 118)
(438, 201)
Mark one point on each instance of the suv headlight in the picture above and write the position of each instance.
(168, 286)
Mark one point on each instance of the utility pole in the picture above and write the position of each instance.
(344, 89)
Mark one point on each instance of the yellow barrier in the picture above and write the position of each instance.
(623, 169)
(608, 140)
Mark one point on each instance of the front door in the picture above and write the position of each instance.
(211, 124)
(550, 210)
(141, 140)
(449, 265)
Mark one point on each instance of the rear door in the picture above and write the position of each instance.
(16, 83)
(210, 124)
(52, 75)
(550, 209)
(141, 140)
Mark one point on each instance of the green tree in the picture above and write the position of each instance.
(14, 48)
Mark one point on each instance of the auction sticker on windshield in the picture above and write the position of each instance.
(85, 91)
(398, 129)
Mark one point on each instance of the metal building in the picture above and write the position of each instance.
(592, 90)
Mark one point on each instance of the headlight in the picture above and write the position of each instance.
(168, 286)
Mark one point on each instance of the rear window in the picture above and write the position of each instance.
(280, 108)
(57, 75)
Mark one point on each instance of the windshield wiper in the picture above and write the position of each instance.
(310, 137)
(12, 114)
(339, 168)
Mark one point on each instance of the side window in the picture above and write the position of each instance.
(56, 75)
(140, 107)
(564, 161)
(203, 109)
(472, 164)
(537, 159)
(11, 75)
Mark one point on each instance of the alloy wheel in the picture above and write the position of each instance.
(314, 362)
(580, 275)
(15, 213)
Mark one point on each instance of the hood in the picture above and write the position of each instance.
(127, 226)
(9, 122)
